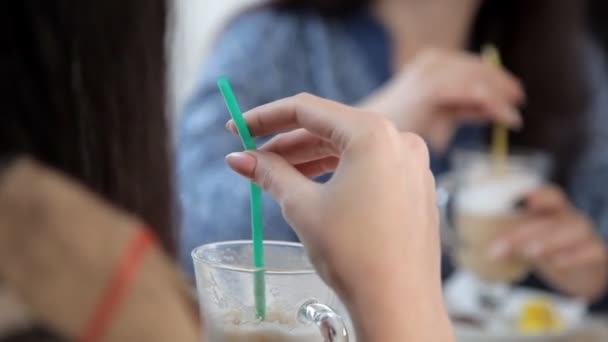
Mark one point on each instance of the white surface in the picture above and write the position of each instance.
(460, 295)
(490, 195)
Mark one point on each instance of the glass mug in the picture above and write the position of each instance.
(479, 201)
(299, 306)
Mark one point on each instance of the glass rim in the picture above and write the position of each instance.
(517, 155)
(198, 257)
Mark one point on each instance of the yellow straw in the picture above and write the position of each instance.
(500, 134)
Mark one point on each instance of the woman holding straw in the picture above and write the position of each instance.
(86, 251)
(418, 63)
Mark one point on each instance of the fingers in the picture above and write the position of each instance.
(441, 133)
(505, 82)
(564, 236)
(525, 240)
(543, 237)
(479, 101)
(464, 83)
(418, 148)
(549, 226)
(326, 119)
(458, 66)
(271, 173)
(300, 146)
(546, 199)
(318, 167)
(554, 241)
(582, 255)
(492, 103)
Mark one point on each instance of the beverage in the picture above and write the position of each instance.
(299, 306)
(276, 327)
(269, 332)
(484, 210)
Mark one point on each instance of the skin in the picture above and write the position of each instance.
(437, 86)
(441, 89)
(411, 25)
(561, 243)
(369, 157)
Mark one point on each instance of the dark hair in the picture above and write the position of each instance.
(83, 90)
(539, 42)
(598, 11)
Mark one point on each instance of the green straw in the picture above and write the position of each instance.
(255, 198)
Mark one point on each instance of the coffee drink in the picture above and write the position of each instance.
(276, 327)
(485, 209)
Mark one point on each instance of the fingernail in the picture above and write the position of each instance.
(229, 125)
(242, 162)
(533, 249)
(498, 250)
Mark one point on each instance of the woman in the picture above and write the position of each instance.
(409, 59)
(83, 93)
(77, 106)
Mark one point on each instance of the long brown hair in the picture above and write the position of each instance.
(540, 43)
(83, 90)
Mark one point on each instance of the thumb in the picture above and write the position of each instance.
(272, 173)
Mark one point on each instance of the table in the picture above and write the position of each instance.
(594, 330)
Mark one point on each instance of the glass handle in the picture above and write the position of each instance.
(326, 319)
(446, 188)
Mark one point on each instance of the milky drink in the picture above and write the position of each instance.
(485, 208)
(277, 327)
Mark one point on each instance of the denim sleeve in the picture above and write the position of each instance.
(588, 189)
(214, 200)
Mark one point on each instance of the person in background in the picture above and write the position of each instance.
(418, 63)
(84, 92)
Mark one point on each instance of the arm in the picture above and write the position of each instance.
(381, 254)
(438, 90)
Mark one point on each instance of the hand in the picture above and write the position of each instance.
(440, 89)
(371, 231)
(561, 243)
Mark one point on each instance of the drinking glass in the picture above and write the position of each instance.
(480, 200)
(299, 305)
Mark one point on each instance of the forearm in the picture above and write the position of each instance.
(389, 306)
(391, 103)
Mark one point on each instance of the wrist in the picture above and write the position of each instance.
(392, 303)
(394, 106)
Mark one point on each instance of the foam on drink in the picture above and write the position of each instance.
(495, 195)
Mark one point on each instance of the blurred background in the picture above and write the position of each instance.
(197, 22)
(316, 54)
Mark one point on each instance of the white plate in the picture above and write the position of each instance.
(460, 295)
